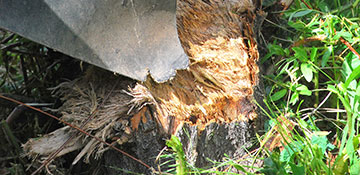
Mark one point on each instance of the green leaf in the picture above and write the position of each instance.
(356, 103)
(287, 52)
(175, 144)
(314, 21)
(276, 49)
(322, 142)
(355, 167)
(346, 35)
(300, 53)
(354, 75)
(313, 53)
(290, 150)
(298, 25)
(356, 141)
(284, 68)
(341, 165)
(333, 89)
(350, 63)
(326, 56)
(301, 13)
(273, 164)
(278, 95)
(294, 98)
(306, 70)
(297, 169)
(238, 167)
(303, 90)
(266, 57)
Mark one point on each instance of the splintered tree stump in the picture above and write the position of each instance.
(209, 106)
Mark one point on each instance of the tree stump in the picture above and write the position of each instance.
(209, 106)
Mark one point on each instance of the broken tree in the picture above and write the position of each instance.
(209, 106)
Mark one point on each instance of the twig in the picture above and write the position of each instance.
(327, 97)
(344, 51)
(2, 159)
(309, 39)
(322, 110)
(33, 77)
(350, 47)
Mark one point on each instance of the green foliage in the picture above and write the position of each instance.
(184, 167)
(317, 65)
(181, 165)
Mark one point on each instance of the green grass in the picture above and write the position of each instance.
(313, 93)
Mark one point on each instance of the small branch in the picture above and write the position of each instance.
(350, 47)
(317, 108)
(309, 39)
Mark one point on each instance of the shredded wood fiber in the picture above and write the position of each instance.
(82, 97)
(218, 85)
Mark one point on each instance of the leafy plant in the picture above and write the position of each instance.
(320, 63)
(182, 165)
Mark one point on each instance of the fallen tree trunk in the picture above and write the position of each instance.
(209, 106)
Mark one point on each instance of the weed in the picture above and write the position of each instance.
(316, 77)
